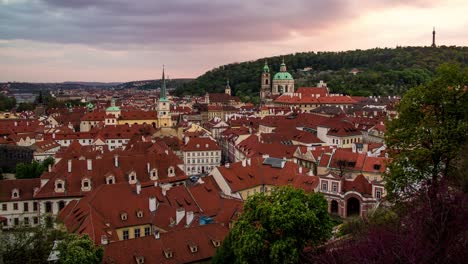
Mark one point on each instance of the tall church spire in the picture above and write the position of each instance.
(433, 37)
(162, 95)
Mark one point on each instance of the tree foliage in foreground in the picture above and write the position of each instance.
(28, 244)
(429, 134)
(275, 228)
(428, 230)
(76, 250)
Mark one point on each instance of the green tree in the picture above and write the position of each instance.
(75, 250)
(429, 132)
(28, 244)
(275, 228)
(33, 169)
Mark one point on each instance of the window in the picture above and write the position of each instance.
(378, 193)
(4, 207)
(137, 232)
(26, 207)
(147, 231)
(140, 214)
(48, 207)
(324, 186)
(125, 235)
(35, 220)
(171, 171)
(26, 221)
(123, 216)
(110, 180)
(61, 205)
(15, 206)
(335, 187)
(16, 221)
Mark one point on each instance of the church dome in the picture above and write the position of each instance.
(283, 76)
(113, 109)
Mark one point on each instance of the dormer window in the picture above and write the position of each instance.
(59, 186)
(139, 214)
(110, 179)
(168, 253)
(193, 247)
(86, 185)
(132, 179)
(171, 171)
(140, 259)
(154, 174)
(216, 243)
(15, 194)
(123, 216)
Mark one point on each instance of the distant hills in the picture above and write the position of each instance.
(23, 87)
(380, 71)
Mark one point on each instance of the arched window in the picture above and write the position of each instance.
(110, 179)
(15, 194)
(171, 171)
(154, 174)
(123, 216)
(85, 185)
(132, 179)
(59, 186)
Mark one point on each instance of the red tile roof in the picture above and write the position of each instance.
(240, 178)
(177, 242)
(200, 144)
(25, 187)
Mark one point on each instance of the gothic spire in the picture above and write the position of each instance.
(162, 95)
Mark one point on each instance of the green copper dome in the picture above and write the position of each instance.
(266, 68)
(113, 109)
(283, 76)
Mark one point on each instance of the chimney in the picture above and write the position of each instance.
(138, 187)
(69, 166)
(166, 151)
(300, 170)
(249, 162)
(16, 123)
(244, 162)
(89, 163)
(152, 204)
(163, 190)
(148, 167)
(116, 161)
(53, 135)
(50, 168)
(189, 218)
(228, 165)
(180, 213)
(104, 240)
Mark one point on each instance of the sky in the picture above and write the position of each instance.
(125, 40)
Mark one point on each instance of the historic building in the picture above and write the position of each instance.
(283, 82)
(164, 106)
(265, 88)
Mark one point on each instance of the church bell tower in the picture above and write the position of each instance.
(164, 106)
(265, 87)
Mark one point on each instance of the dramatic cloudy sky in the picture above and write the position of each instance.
(123, 40)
